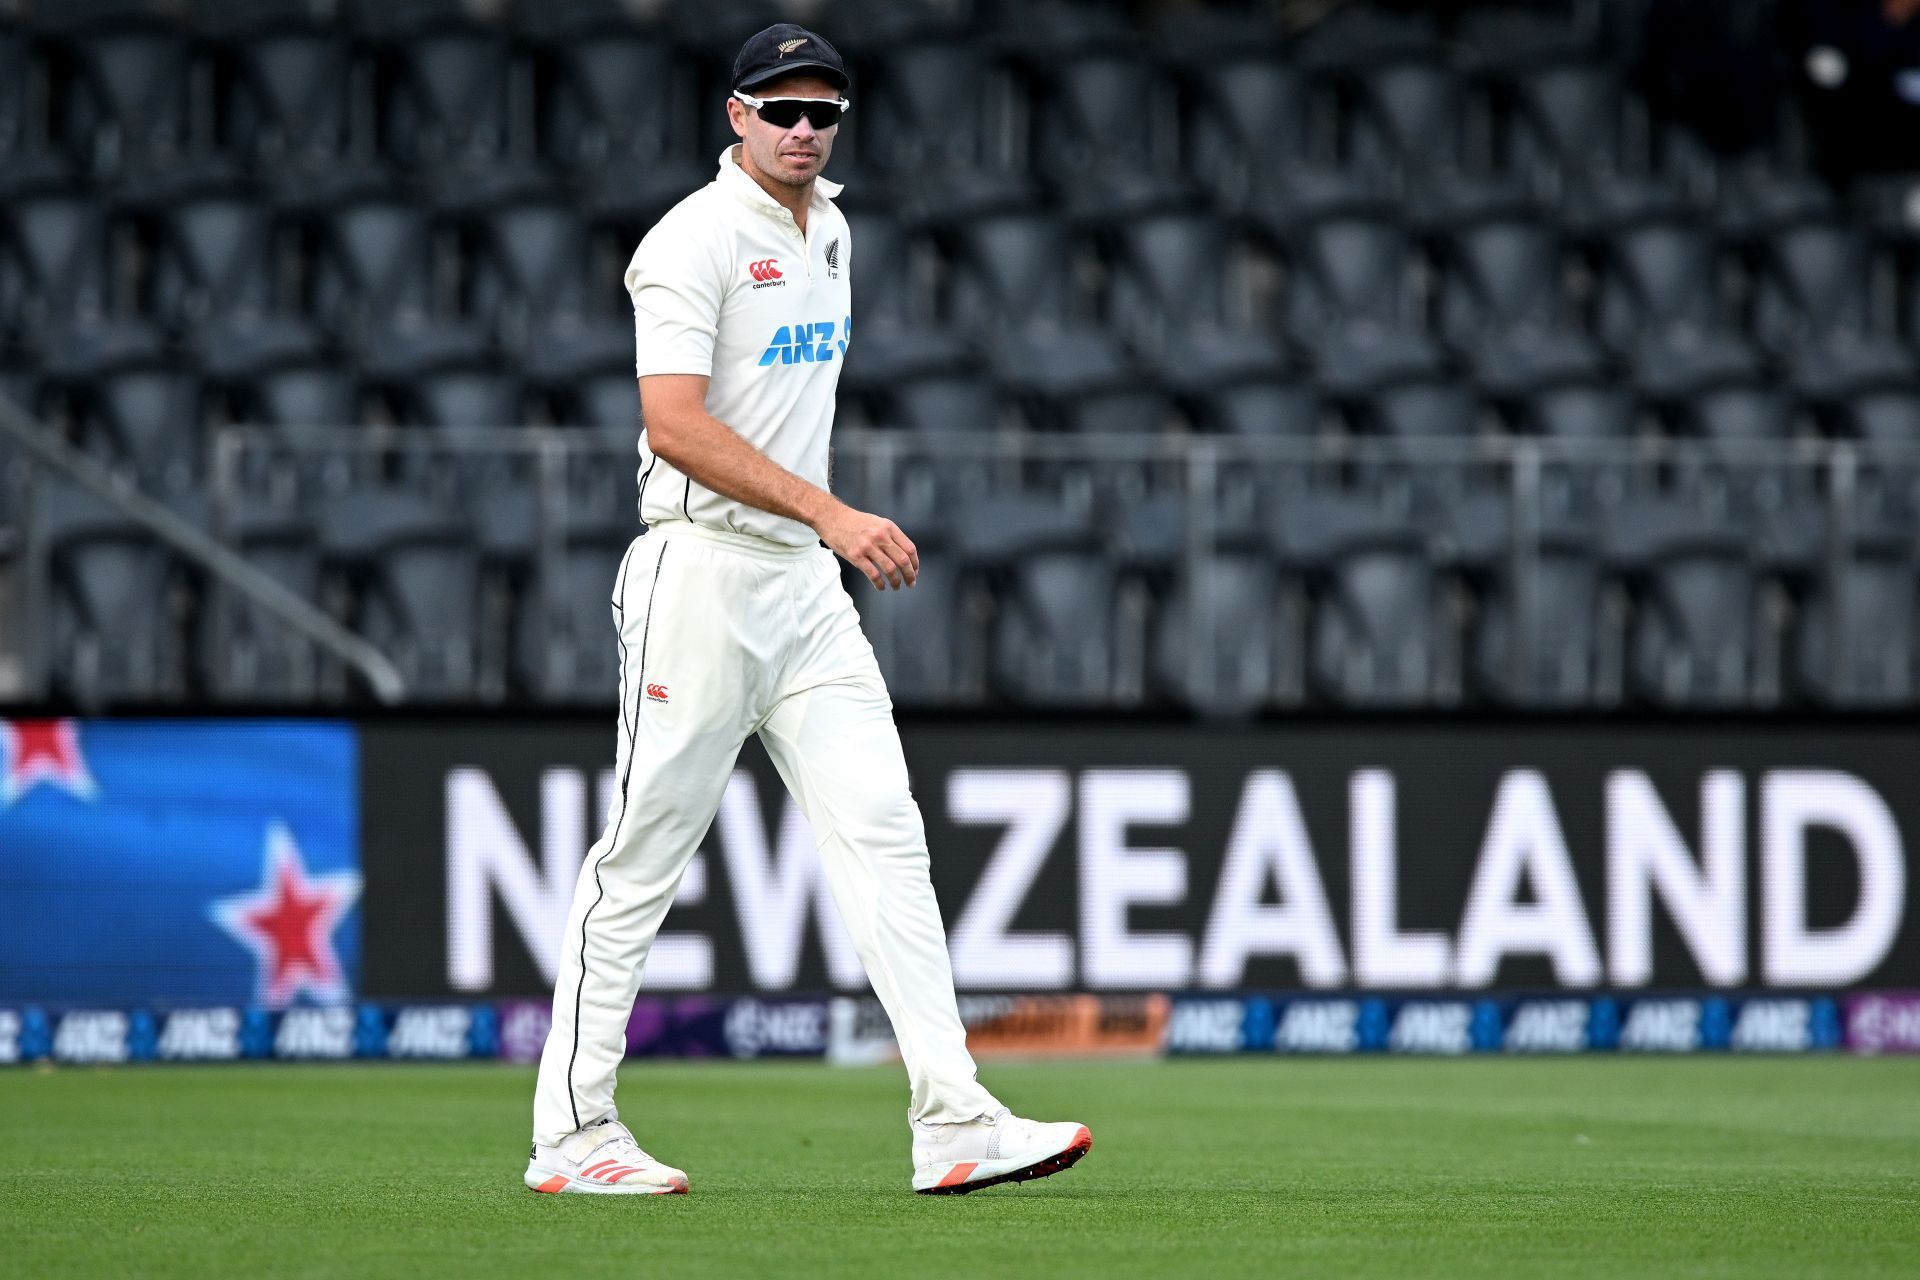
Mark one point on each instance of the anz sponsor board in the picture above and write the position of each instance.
(1769, 1024)
(93, 1035)
(1548, 1026)
(1205, 1024)
(200, 1035)
(1432, 1026)
(442, 1031)
(315, 1034)
(1672, 1025)
(1318, 1026)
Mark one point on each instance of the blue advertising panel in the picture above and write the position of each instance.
(179, 862)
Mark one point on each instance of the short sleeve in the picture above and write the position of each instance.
(676, 303)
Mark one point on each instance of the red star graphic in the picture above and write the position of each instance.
(288, 924)
(37, 751)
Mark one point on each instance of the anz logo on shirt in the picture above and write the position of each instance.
(807, 343)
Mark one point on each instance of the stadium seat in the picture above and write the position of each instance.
(1814, 284)
(1408, 120)
(535, 282)
(1375, 637)
(1101, 106)
(1670, 367)
(565, 649)
(457, 99)
(128, 111)
(1574, 482)
(147, 420)
(1250, 112)
(1657, 275)
(291, 106)
(945, 165)
(926, 640)
(459, 398)
(1170, 295)
(965, 404)
(1223, 643)
(1350, 268)
(1855, 638)
(1351, 302)
(1076, 379)
(1017, 270)
(311, 395)
(606, 400)
(1500, 274)
(418, 576)
(1280, 407)
(215, 282)
(1404, 417)
(617, 98)
(898, 337)
(59, 265)
(1564, 123)
(375, 284)
(247, 654)
(1691, 640)
(1059, 638)
(290, 462)
(111, 628)
(1726, 472)
(1553, 641)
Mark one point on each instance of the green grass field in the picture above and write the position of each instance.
(1582, 1167)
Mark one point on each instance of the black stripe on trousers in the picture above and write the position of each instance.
(633, 749)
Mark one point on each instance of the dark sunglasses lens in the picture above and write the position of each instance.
(785, 115)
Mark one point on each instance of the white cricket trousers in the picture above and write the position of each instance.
(723, 635)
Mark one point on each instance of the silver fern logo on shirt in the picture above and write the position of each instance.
(833, 258)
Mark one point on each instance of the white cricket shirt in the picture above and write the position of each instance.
(727, 286)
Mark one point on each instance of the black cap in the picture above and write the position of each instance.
(784, 49)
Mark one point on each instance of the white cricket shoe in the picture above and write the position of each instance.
(602, 1160)
(953, 1159)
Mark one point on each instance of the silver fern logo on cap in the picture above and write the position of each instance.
(788, 46)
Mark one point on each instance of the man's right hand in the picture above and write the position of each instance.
(872, 544)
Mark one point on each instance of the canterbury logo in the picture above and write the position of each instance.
(657, 692)
(788, 46)
(765, 269)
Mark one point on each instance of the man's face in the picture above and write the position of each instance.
(794, 156)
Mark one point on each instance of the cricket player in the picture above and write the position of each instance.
(732, 620)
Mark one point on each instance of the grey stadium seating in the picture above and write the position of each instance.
(1337, 285)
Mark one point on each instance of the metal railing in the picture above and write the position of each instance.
(1533, 477)
(58, 456)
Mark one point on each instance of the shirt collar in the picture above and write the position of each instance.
(735, 179)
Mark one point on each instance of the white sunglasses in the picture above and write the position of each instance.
(784, 113)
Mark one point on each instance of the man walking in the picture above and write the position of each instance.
(732, 621)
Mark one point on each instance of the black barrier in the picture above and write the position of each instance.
(1359, 856)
